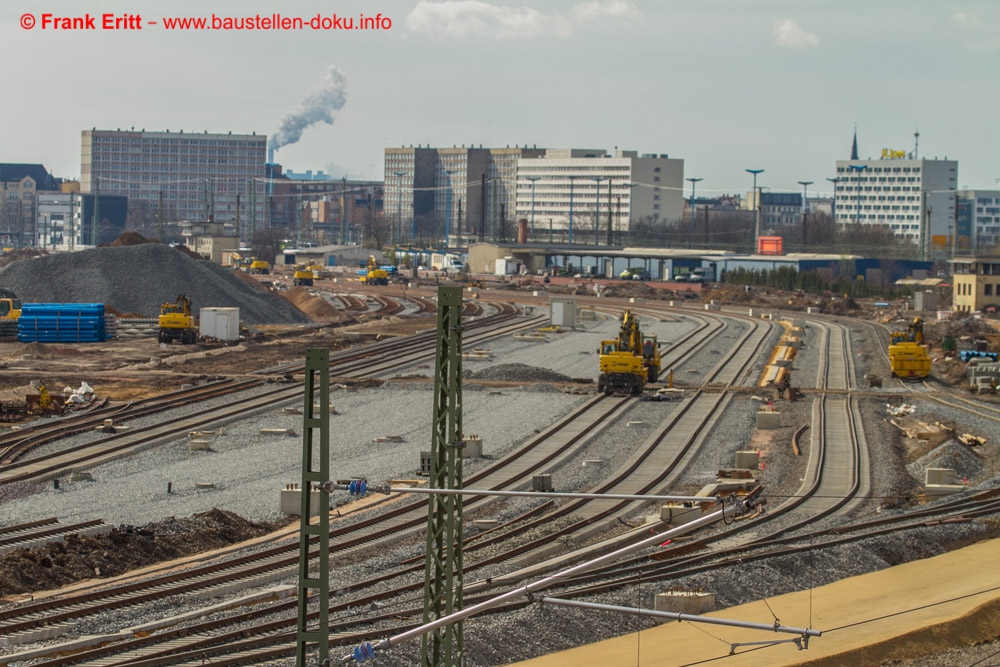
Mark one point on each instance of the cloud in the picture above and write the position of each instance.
(974, 34)
(474, 18)
(965, 20)
(596, 9)
(788, 33)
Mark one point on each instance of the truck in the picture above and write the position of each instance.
(303, 275)
(176, 322)
(630, 361)
(373, 274)
(258, 265)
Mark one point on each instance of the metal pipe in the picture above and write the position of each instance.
(736, 507)
(532, 494)
(677, 616)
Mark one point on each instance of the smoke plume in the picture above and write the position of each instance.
(317, 105)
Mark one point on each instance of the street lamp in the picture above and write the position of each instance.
(597, 207)
(533, 179)
(833, 206)
(858, 168)
(628, 232)
(694, 181)
(805, 207)
(399, 203)
(756, 202)
(571, 179)
(447, 207)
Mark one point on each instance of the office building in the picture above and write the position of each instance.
(66, 221)
(978, 220)
(915, 198)
(20, 186)
(191, 176)
(573, 193)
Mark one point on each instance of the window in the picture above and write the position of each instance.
(988, 290)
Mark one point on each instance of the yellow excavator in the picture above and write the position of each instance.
(176, 322)
(373, 274)
(258, 265)
(303, 275)
(908, 356)
(630, 361)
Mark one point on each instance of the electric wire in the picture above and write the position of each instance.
(914, 609)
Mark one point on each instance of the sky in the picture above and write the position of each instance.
(726, 85)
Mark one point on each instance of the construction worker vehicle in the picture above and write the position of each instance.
(373, 274)
(303, 275)
(177, 323)
(10, 313)
(258, 265)
(630, 361)
(908, 355)
(41, 403)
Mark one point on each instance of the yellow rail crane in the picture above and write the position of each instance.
(630, 361)
(908, 356)
(373, 274)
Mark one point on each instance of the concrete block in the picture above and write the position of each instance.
(425, 463)
(747, 460)
(812, 310)
(539, 292)
(198, 445)
(932, 491)
(541, 482)
(685, 602)
(593, 463)
(82, 476)
(939, 476)
(636, 299)
(278, 431)
(768, 420)
(291, 501)
(712, 306)
(204, 485)
(677, 514)
(472, 447)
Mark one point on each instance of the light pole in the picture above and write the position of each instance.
(858, 168)
(805, 207)
(693, 182)
(833, 206)
(447, 206)
(571, 179)
(756, 205)
(597, 207)
(399, 203)
(628, 232)
(533, 179)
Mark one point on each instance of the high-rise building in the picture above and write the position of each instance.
(197, 175)
(585, 184)
(978, 220)
(431, 190)
(915, 198)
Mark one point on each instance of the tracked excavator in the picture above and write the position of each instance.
(630, 361)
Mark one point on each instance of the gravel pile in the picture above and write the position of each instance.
(519, 373)
(138, 279)
(950, 454)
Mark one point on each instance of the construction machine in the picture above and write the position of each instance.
(908, 355)
(630, 361)
(176, 322)
(303, 275)
(373, 274)
(258, 265)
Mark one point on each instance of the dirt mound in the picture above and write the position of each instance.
(131, 238)
(124, 548)
(316, 307)
(519, 373)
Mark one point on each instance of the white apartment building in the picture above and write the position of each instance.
(197, 175)
(566, 189)
(913, 197)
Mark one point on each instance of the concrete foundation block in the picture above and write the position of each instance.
(82, 476)
(425, 463)
(541, 482)
(712, 306)
(939, 476)
(291, 501)
(932, 491)
(747, 460)
(278, 431)
(812, 310)
(636, 299)
(677, 514)
(768, 420)
(685, 602)
(472, 447)
(198, 445)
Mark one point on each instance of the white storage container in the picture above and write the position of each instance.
(220, 323)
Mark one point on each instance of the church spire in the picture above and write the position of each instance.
(854, 146)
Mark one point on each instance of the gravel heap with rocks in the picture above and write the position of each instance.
(138, 279)
(519, 373)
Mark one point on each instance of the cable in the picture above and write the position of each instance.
(991, 655)
(920, 608)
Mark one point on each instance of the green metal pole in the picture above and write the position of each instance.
(443, 575)
(314, 578)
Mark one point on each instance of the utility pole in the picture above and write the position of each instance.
(239, 230)
(482, 220)
(756, 194)
(460, 225)
(694, 182)
(443, 647)
(503, 222)
(618, 217)
(252, 231)
(97, 211)
(204, 196)
(159, 217)
(805, 208)
(343, 211)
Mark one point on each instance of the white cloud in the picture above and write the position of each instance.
(788, 33)
(596, 9)
(974, 34)
(965, 20)
(474, 18)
